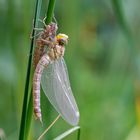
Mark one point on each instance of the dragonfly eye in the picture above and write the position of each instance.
(62, 42)
(62, 39)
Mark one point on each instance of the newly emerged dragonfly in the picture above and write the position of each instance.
(51, 72)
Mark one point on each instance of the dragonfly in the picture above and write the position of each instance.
(52, 74)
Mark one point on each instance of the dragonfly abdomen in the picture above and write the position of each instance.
(44, 61)
(38, 53)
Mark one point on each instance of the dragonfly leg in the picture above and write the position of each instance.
(54, 19)
(43, 21)
(35, 29)
(48, 43)
(35, 35)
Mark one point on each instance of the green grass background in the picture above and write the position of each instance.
(103, 60)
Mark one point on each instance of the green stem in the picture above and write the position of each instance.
(50, 14)
(29, 116)
(27, 111)
(25, 100)
(78, 134)
(50, 11)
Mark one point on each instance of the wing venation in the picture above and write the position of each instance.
(56, 86)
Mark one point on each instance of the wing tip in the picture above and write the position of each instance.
(76, 119)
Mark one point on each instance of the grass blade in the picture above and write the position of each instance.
(28, 111)
(29, 116)
(78, 134)
(41, 136)
(25, 100)
(68, 132)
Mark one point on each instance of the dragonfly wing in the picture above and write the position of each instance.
(55, 84)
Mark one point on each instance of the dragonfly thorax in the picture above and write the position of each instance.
(56, 52)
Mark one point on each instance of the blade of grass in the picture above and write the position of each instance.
(25, 100)
(68, 132)
(41, 136)
(48, 20)
(78, 134)
(29, 116)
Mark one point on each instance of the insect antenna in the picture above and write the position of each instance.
(47, 129)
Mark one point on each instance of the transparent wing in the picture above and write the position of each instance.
(55, 84)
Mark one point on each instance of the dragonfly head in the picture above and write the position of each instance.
(62, 39)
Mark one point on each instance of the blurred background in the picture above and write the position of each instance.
(103, 60)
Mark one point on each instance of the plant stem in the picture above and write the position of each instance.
(29, 115)
(50, 11)
(25, 100)
(78, 133)
(26, 113)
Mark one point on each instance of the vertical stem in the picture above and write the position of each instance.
(29, 116)
(50, 11)
(25, 100)
(26, 113)
(78, 134)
